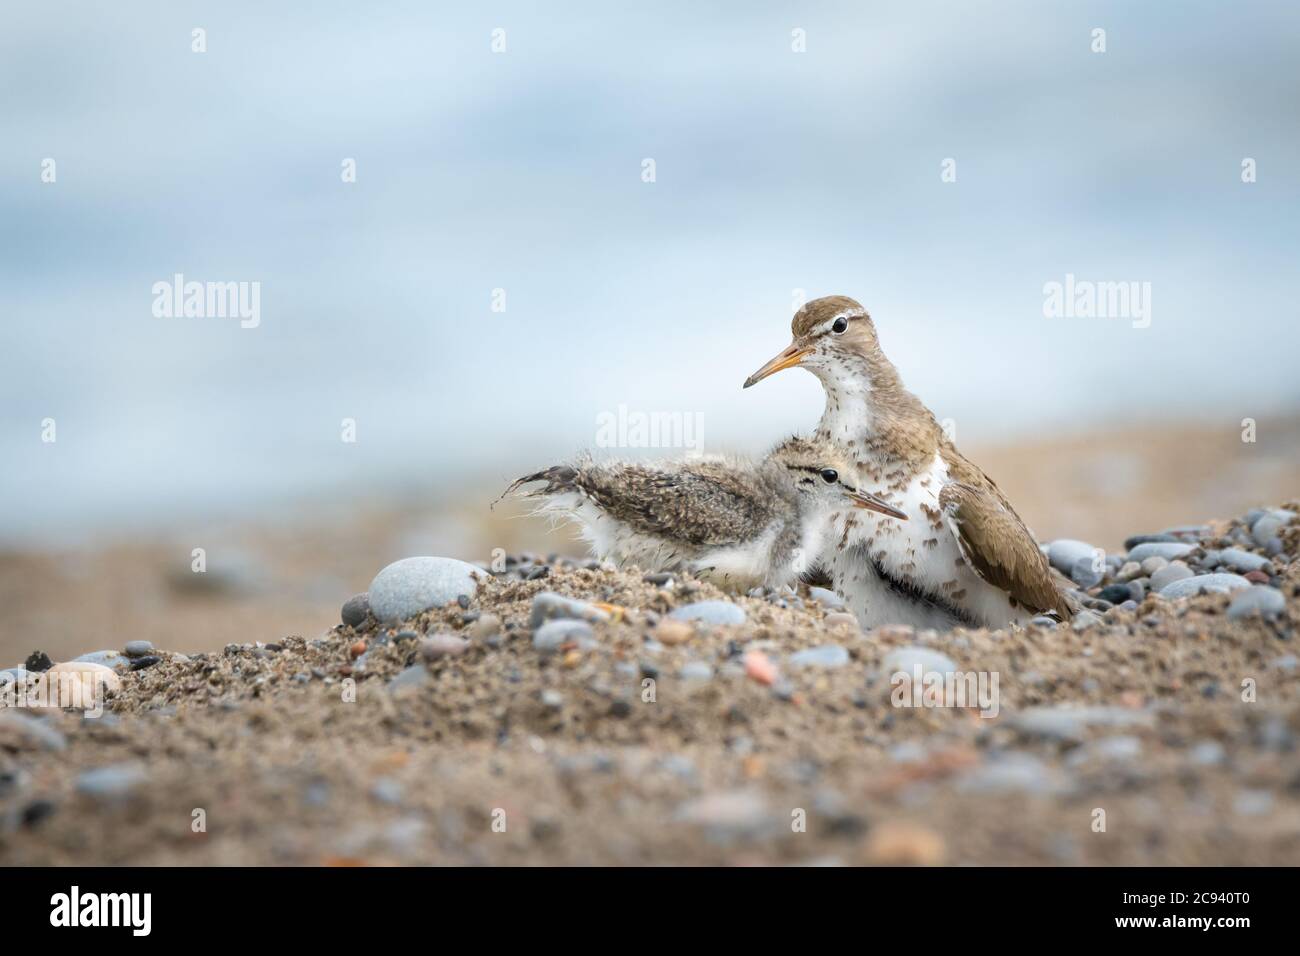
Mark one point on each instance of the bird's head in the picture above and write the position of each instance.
(821, 475)
(832, 335)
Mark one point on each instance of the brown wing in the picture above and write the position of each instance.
(999, 548)
(706, 504)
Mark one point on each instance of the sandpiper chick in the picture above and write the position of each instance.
(965, 558)
(735, 522)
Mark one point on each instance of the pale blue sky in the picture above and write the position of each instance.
(775, 171)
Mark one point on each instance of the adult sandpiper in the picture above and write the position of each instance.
(965, 558)
(736, 522)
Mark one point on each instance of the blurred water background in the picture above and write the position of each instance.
(522, 171)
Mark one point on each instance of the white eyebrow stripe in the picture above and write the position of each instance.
(850, 314)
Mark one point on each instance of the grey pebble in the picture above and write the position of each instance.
(33, 730)
(437, 646)
(1171, 572)
(112, 782)
(356, 609)
(1160, 549)
(1244, 561)
(1012, 772)
(386, 790)
(1190, 587)
(827, 598)
(1070, 723)
(1085, 619)
(907, 659)
(549, 606)
(414, 676)
(138, 648)
(696, 670)
(1260, 600)
(1087, 571)
(710, 612)
(1153, 564)
(827, 655)
(552, 699)
(406, 588)
(552, 634)
(1065, 552)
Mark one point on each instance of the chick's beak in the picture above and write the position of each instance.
(791, 357)
(862, 499)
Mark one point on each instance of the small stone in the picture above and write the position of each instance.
(552, 699)
(718, 613)
(841, 619)
(1085, 619)
(1135, 540)
(104, 658)
(1070, 723)
(1239, 560)
(1087, 571)
(671, 632)
(906, 660)
(827, 655)
(414, 676)
(386, 790)
(487, 625)
(114, 782)
(1252, 803)
(20, 731)
(1258, 601)
(1129, 570)
(356, 609)
(138, 648)
(827, 598)
(1153, 564)
(437, 646)
(696, 670)
(1160, 549)
(659, 578)
(1064, 553)
(550, 636)
(1043, 620)
(95, 679)
(549, 606)
(357, 649)
(759, 667)
(38, 661)
(1171, 572)
(1207, 753)
(1256, 577)
(1115, 593)
(1212, 583)
(145, 662)
(1012, 772)
(408, 587)
(1266, 529)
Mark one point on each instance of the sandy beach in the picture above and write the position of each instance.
(460, 736)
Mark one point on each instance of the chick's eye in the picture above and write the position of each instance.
(830, 476)
(840, 325)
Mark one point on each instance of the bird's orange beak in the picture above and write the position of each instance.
(787, 359)
(862, 499)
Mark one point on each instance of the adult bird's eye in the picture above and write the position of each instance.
(830, 476)
(840, 325)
